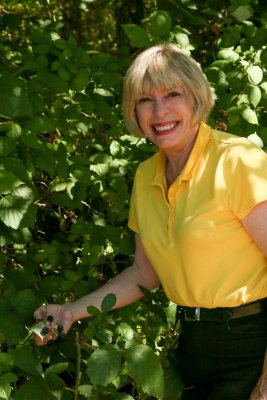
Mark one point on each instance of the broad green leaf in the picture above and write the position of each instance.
(103, 365)
(56, 369)
(254, 94)
(6, 361)
(12, 210)
(80, 81)
(8, 182)
(8, 377)
(123, 396)
(93, 311)
(24, 191)
(255, 74)
(5, 391)
(137, 35)
(159, 23)
(14, 131)
(233, 118)
(263, 87)
(16, 166)
(31, 140)
(25, 302)
(108, 302)
(14, 100)
(12, 327)
(249, 115)
(242, 13)
(7, 145)
(145, 368)
(228, 54)
(254, 138)
(35, 388)
(85, 390)
(26, 361)
(182, 40)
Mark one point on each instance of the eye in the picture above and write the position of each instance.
(144, 100)
(174, 94)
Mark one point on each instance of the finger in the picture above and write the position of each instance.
(40, 313)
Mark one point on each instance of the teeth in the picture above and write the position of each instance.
(164, 128)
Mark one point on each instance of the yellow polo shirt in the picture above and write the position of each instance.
(192, 232)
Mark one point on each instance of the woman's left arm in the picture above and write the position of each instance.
(255, 224)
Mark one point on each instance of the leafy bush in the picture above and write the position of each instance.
(66, 171)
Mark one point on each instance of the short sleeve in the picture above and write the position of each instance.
(246, 177)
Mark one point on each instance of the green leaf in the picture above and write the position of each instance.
(263, 87)
(14, 131)
(8, 182)
(93, 311)
(6, 362)
(35, 388)
(80, 81)
(255, 74)
(254, 94)
(249, 115)
(85, 390)
(228, 54)
(242, 13)
(103, 365)
(137, 35)
(26, 361)
(57, 369)
(145, 368)
(12, 210)
(254, 138)
(5, 391)
(123, 396)
(25, 302)
(108, 302)
(159, 23)
(7, 146)
(14, 100)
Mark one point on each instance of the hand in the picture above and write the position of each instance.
(260, 391)
(52, 316)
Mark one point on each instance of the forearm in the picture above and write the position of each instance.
(125, 286)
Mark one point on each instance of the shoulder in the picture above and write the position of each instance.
(148, 167)
(236, 146)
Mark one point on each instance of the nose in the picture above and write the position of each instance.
(160, 108)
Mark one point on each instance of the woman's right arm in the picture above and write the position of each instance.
(125, 286)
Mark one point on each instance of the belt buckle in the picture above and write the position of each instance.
(195, 318)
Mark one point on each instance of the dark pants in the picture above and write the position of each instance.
(222, 360)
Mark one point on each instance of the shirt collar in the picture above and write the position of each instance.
(192, 163)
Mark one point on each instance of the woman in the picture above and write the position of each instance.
(199, 213)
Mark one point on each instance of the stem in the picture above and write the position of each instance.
(78, 371)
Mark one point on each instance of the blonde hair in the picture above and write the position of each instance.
(165, 66)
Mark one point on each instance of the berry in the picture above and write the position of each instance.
(60, 328)
(45, 330)
(50, 318)
(61, 336)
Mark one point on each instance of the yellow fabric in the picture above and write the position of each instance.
(192, 232)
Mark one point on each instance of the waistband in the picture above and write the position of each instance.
(193, 314)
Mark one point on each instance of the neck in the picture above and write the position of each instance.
(176, 161)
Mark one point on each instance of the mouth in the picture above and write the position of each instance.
(161, 129)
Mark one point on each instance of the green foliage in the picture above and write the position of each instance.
(66, 172)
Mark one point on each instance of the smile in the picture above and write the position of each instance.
(164, 128)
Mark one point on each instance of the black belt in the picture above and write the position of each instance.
(219, 314)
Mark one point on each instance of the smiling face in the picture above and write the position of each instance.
(166, 118)
(165, 66)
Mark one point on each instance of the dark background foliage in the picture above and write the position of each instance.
(66, 171)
